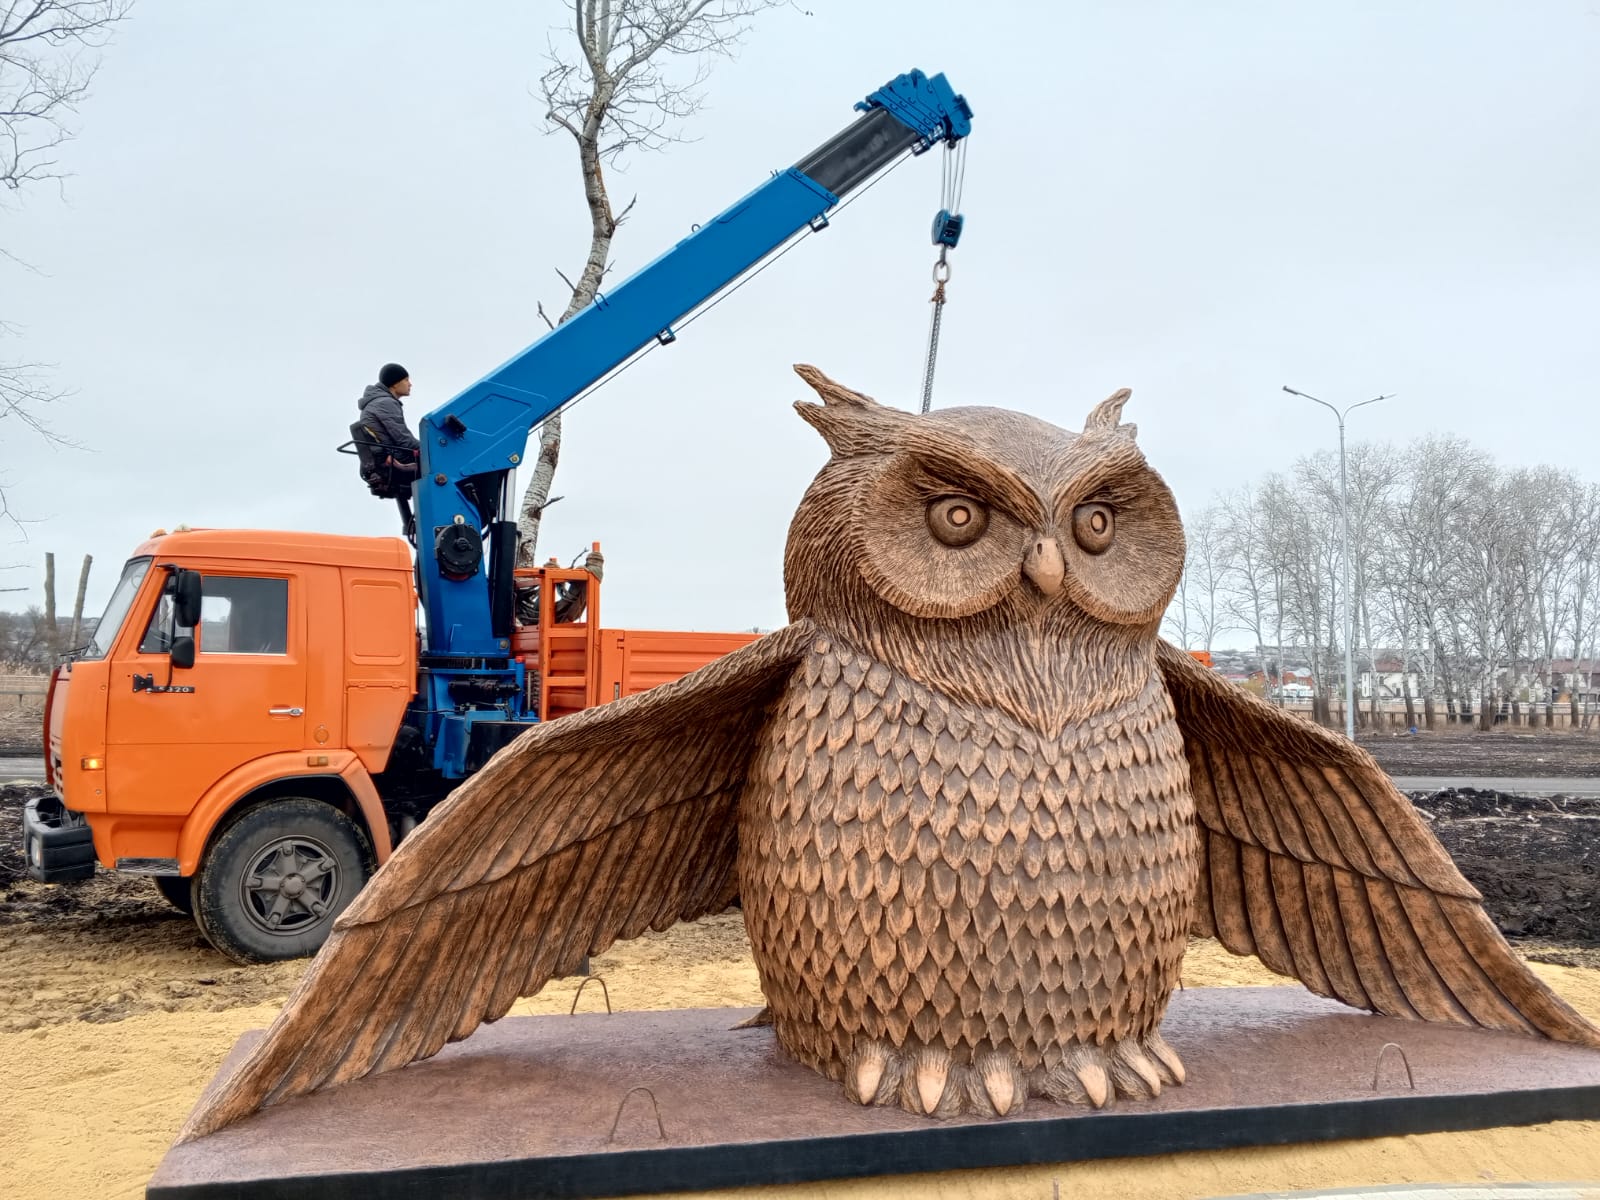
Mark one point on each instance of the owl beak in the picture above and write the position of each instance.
(1043, 564)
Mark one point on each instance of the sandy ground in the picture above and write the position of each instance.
(109, 1042)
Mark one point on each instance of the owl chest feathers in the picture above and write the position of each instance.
(895, 843)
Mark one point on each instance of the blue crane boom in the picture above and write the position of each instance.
(472, 444)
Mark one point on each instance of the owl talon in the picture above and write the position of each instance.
(872, 1075)
(1003, 1085)
(1133, 1073)
(1165, 1058)
(932, 1073)
(1096, 1084)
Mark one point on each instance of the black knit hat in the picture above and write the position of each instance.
(391, 374)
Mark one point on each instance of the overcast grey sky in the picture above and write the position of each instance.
(1202, 202)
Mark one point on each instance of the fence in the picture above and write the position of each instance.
(22, 692)
(1392, 715)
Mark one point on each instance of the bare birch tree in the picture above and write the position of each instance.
(1207, 566)
(630, 75)
(1175, 624)
(1374, 471)
(1255, 578)
(1585, 608)
(1314, 549)
(1547, 501)
(47, 63)
(1442, 477)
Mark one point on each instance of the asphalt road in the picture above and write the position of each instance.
(13, 769)
(1511, 785)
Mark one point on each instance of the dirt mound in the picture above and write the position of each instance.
(1537, 753)
(1535, 859)
(106, 897)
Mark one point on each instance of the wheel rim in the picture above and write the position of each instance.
(292, 885)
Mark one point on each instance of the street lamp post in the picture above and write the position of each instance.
(1344, 554)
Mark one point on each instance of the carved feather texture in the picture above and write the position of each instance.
(1313, 862)
(928, 873)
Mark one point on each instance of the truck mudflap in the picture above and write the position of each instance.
(58, 843)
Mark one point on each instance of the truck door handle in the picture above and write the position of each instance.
(286, 712)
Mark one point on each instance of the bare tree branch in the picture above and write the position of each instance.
(46, 68)
(44, 75)
(635, 77)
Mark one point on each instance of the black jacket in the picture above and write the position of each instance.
(381, 410)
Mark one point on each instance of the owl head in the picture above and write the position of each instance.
(980, 523)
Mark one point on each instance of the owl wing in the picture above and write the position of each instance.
(1313, 861)
(594, 827)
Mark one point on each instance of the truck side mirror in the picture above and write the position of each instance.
(186, 602)
(183, 652)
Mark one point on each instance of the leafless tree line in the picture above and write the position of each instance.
(1477, 579)
(32, 640)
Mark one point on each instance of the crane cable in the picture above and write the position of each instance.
(941, 276)
(953, 178)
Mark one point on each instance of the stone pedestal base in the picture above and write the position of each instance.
(649, 1102)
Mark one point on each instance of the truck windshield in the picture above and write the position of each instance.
(105, 632)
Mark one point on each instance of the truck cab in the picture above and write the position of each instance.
(170, 731)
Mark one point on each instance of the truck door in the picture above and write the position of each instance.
(165, 748)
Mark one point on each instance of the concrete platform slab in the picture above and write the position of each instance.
(650, 1102)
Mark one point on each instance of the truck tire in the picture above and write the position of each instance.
(276, 879)
(175, 891)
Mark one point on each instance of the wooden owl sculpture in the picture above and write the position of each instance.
(971, 804)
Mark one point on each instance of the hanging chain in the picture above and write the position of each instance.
(941, 276)
(954, 176)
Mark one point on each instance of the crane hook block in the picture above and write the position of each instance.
(947, 228)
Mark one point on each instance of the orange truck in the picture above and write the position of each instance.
(235, 727)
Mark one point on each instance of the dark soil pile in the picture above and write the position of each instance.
(1536, 861)
(1540, 753)
(108, 897)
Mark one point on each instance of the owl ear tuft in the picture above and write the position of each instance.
(1107, 416)
(848, 432)
(833, 394)
(849, 422)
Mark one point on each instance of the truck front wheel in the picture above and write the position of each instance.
(277, 878)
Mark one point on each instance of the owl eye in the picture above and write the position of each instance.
(957, 520)
(1093, 526)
